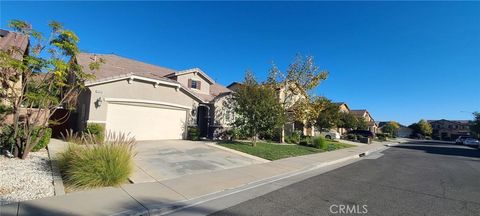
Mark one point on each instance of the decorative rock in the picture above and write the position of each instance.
(25, 179)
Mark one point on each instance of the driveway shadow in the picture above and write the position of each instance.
(442, 149)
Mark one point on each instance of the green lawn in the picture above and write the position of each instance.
(271, 151)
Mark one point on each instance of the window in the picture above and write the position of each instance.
(194, 84)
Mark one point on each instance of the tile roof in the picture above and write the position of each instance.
(454, 121)
(9, 39)
(358, 112)
(116, 66)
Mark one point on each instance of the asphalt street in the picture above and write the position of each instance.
(409, 179)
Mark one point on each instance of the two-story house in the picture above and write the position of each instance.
(148, 101)
(371, 124)
(449, 129)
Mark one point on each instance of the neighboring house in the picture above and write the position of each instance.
(449, 129)
(403, 131)
(288, 100)
(372, 125)
(16, 44)
(343, 108)
(151, 102)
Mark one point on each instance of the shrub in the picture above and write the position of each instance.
(288, 139)
(306, 141)
(295, 137)
(351, 137)
(193, 133)
(100, 165)
(71, 137)
(6, 137)
(44, 140)
(320, 143)
(7, 141)
(97, 130)
(382, 136)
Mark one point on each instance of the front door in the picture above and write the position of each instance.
(203, 119)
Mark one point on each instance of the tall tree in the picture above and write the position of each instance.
(422, 127)
(361, 123)
(49, 78)
(329, 115)
(348, 121)
(257, 107)
(295, 87)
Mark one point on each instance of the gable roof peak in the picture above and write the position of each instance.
(193, 70)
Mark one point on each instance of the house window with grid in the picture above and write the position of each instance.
(194, 84)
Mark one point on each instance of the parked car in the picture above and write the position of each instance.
(328, 134)
(364, 133)
(471, 142)
(460, 139)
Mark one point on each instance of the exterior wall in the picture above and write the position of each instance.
(12, 93)
(285, 97)
(204, 87)
(222, 114)
(343, 108)
(33, 115)
(136, 90)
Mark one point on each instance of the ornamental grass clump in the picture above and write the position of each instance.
(101, 164)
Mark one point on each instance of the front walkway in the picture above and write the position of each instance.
(162, 196)
(166, 159)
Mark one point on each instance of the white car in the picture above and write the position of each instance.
(471, 142)
(460, 139)
(328, 134)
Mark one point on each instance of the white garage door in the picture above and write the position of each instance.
(146, 122)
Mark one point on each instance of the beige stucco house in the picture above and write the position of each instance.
(16, 45)
(150, 102)
(372, 125)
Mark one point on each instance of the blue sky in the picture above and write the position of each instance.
(400, 60)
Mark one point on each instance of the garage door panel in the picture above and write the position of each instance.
(146, 122)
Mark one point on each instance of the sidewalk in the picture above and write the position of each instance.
(157, 197)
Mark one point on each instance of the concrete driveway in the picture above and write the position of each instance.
(166, 159)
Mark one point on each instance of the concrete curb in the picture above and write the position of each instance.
(58, 187)
(238, 152)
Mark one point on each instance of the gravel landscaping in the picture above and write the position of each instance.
(25, 179)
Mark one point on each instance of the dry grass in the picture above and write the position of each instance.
(89, 163)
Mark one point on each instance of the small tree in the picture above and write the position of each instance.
(329, 115)
(49, 78)
(257, 108)
(390, 128)
(422, 127)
